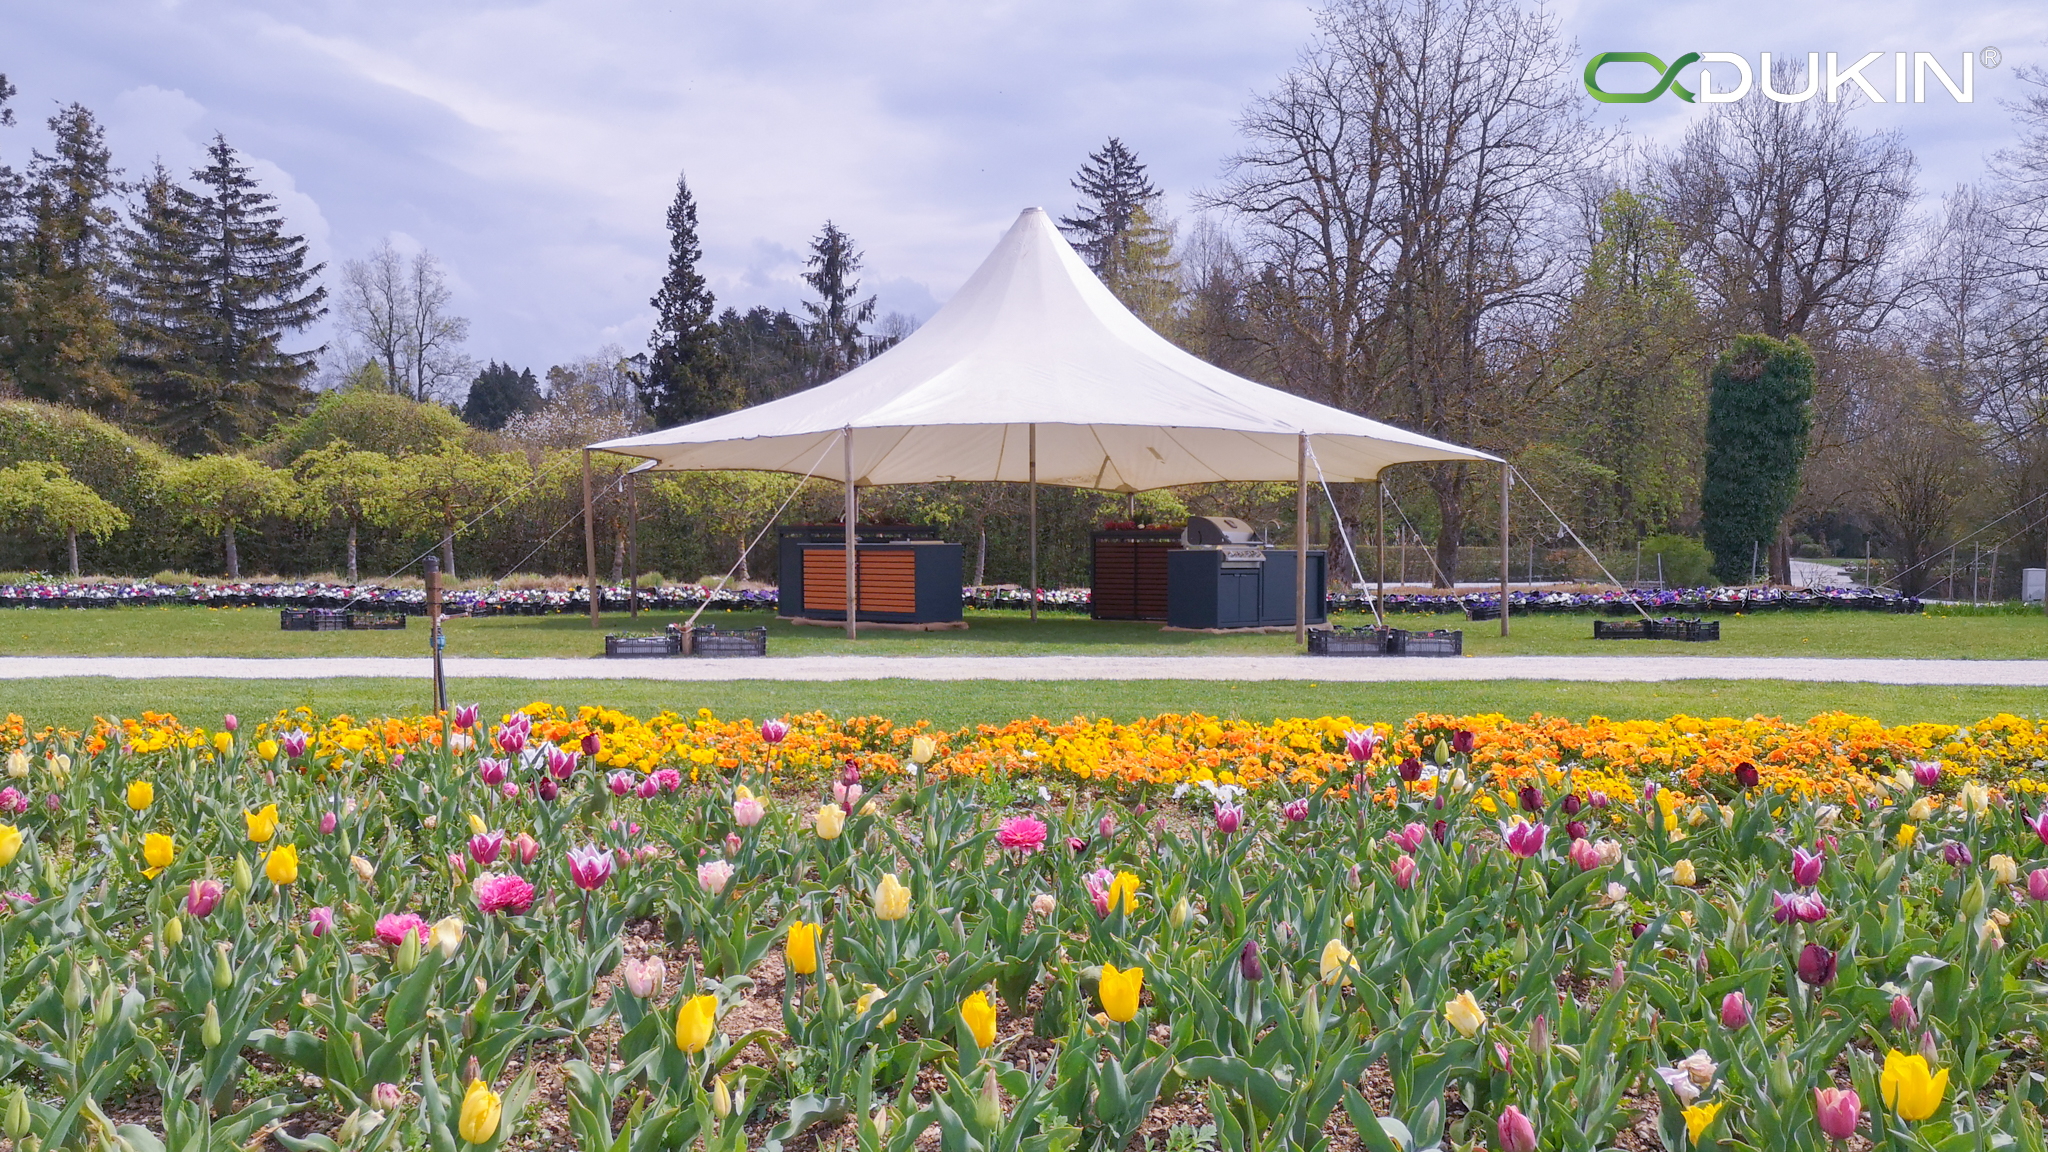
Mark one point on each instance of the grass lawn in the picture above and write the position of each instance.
(1984, 634)
(72, 702)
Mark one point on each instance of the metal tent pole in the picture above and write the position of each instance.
(1032, 443)
(852, 534)
(1505, 480)
(633, 543)
(1301, 542)
(589, 543)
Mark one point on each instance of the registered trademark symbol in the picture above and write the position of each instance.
(1990, 57)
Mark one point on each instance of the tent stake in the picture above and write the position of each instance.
(852, 534)
(1033, 445)
(1504, 482)
(589, 543)
(1301, 542)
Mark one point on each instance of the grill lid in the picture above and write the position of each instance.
(1216, 531)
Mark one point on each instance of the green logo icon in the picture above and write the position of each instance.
(1669, 79)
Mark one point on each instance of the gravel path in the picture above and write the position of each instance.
(2011, 673)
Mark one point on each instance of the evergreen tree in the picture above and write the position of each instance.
(216, 284)
(1114, 188)
(1759, 419)
(766, 353)
(57, 334)
(685, 379)
(836, 317)
(498, 394)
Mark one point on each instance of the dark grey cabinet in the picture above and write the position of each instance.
(1202, 593)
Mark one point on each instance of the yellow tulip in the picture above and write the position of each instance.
(892, 899)
(922, 749)
(477, 825)
(158, 850)
(1465, 1015)
(1124, 888)
(1335, 957)
(283, 865)
(222, 741)
(447, 936)
(141, 794)
(262, 825)
(481, 1111)
(1119, 992)
(742, 792)
(267, 749)
(1921, 811)
(695, 1022)
(831, 821)
(1906, 834)
(10, 844)
(1698, 1117)
(2004, 869)
(1684, 874)
(1909, 1087)
(980, 1017)
(800, 951)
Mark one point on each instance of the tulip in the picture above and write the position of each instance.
(503, 893)
(223, 970)
(1248, 964)
(1927, 773)
(209, 1026)
(1904, 1018)
(2037, 885)
(1684, 874)
(592, 744)
(1517, 1134)
(481, 1111)
(1921, 812)
(1530, 798)
(1837, 1110)
(746, 810)
(800, 950)
(696, 1020)
(1735, 1011)
(1571, 804)
(1806, 867)
(201, 898)
(1409, 838)
(1106, 827)
(262, 825)
(1524, 839)
(1699, 1068)
(590, 866)
(1806, 909)
(1816, 965)
(1021, 834)
(174, 931)
(1405, 869)
(2039, 825)
(979, 1016)
(395, 928)
(1585, 855)
(774, 731)
(1109, 891)
(321, 920)
(465, 715)
(2004, 869)
(831, 821)
(1576, 830)
(282, 865)
(1909, 1087)
(365, 871)
(561, 765)
(713, 875)
(1044, 905)
(510, 739)
(1296, 810)
(485, 847)
(1956, 853)
(1228, 818)
(1335, 960)
(733, 844)
(525, 848)
(158, 850)
(1698, 1117)
(1440, 831)
(1746, 775)
(620, 783)
(244, 879)
(643, 978)
(447, 936)
(647, 789)
(891, 898)
(1361, 744)
(1464, 1014)
(12, 800)
(922, 749)
(1119, 990)
(141, 794)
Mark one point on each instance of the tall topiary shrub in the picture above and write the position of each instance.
(1759, 420)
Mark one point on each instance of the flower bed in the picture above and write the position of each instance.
(405, 931)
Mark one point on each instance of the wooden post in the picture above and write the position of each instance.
(435, 639)
(1033, 449)
(1505, 480)
(590, 544)
(1379, 596)
(852, 541)
(633, 543)
(1301, 542)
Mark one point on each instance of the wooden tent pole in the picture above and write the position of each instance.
(1301, 542)
(1504, 482)
(633, 543)
(1379, 492)
(852, 538)
(589, 543)
(1033, 449)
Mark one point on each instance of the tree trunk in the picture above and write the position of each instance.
(619, 559)
(71, 539)
(1447, 482)
(352, 553)
(448, 552)
(234, 558)
(745, 573)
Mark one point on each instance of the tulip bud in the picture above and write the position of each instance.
(174, 931)
(74, 988)
(721, 1098)
(386, 1097)
(103, 1008)
(17, 1120)
(1517, 1133)
(1734, 1011)
(328, 823)
(407, 957)
(223, 972)
(209, 1031)
(1973, 899)
(1781, 1077)
(1181, 913)
(1248, 962)
(1904, 1018)
(244, 879)
(1928, 1050)
(988, 1108)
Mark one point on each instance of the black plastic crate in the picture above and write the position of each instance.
(311, 619)
(1437, 643)
(1351, 642)
(1477, 612)
(729, 641)
(1636, 629)
(375, 621)
(1688, 630)
(642, 646)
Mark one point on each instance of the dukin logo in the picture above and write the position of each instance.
(1837, 78)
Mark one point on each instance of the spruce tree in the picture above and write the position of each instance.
(1759, 419)
(686, 380)
(836, 317)
(216, 285)
(1113, 187)
(499, 393)
(57, 334)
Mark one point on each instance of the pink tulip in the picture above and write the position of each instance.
(201, 898)
(667, 779)
(465, 716)
(1838, 1110)
(1295, 810)
(491, 771)
(320, 921)
(1404, 871)
(1361, 744)
(713, 875)
(620, 783)
(386, 1097)
(1021, 834)
(391, 929)
(1806, 867)
(561, 765)
(525, 848)
(647, 788)
(230, 723)
(846, 795)
(457, 866)
(293, 743)
(1585, 855)
(503, 893)
(643, 978)
(1409, 838)
(2037, 885)
(328, 823)
(511, 738)
(732, 844)
(1517, 1134)
(485, 846)
(2040, 825)
(774, 731)
(590, 867)
(1106, 827)
(747, 811)
(1229, 817)
(1797, 906)
(1904, 1017)
(12, 800)
(1526, 840)
(1735, 1011)
(1927, 773)
(1599, 800)
(510, 790)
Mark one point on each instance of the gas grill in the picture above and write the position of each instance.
(1232, 537)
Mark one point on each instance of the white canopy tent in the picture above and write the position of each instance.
(1034, 372)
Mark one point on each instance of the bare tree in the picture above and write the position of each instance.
(398, 310)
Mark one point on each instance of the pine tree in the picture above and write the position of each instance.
(498, 394)
(686, 380)
(1114, 187)
(836, 317)
(215, 285)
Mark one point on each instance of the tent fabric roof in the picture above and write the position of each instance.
(1033, 338)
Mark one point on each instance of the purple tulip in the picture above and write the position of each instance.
(1440, 831)
(774, 731)
(465, 716)
(1816, 965)
(1576, 829)
(1747, 775)
(1927, 773)
(547, 789)
(1806, 867)
(1461, 742)
(1599, 800)
(590, 867)
(1410, 769)
(1570, 804)
(1295, 810)
(1956, 853)
(492, 771)
(1229, 817)
(1248, 964)
(1531, 798)
(592, 744)
(1526, 840)
(293, 743)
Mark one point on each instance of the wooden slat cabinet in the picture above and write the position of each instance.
(904, 583)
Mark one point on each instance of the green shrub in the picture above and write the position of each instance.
(1687, 563)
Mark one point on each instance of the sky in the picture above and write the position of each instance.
(533, 147)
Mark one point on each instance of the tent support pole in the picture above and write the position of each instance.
(852, 537)
(633, 542)
(1379, 493)
(589, 544)
(1033, 452)
(1504, 482)
(1301, 542)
